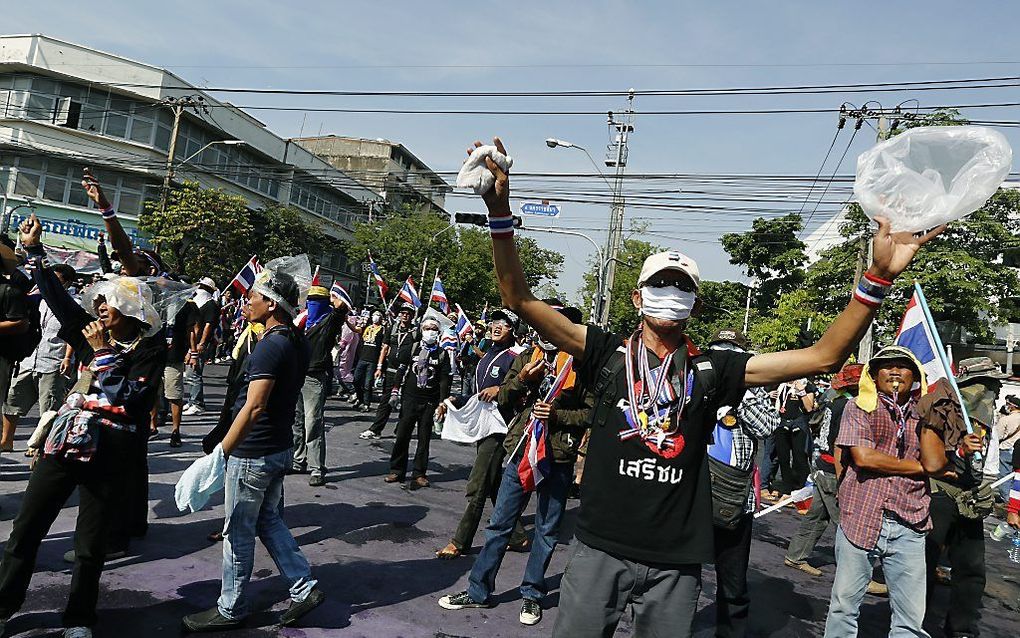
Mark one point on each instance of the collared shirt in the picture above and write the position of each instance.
(757, 418)
(865, 496)
(50, 351)
(1008, 428)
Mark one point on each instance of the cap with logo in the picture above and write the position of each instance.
(506, 315)
(669, 260)
(730, 335)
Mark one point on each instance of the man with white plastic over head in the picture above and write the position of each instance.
(645, 524)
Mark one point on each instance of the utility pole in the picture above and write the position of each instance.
(177, 105)
(621, 125)
(865, 257)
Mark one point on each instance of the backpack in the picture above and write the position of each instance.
(16, 347)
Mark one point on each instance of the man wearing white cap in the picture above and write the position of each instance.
(645, 523)
(201, 337)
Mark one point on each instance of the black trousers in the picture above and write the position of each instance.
(101, 487)
(964, 540)
(791, 447)
(414, 412)
(383, 411)
(732, 600)
(363, 380)
(483, 483)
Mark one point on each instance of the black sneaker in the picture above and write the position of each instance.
(175, 438)
(297, 610)
(531, 612)
(453, 602)
(209, 620)
(317, 480)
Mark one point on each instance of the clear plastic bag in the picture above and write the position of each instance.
(928, 176)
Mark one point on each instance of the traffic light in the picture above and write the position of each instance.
(481, 219)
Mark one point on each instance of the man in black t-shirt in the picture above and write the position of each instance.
(645, 524)
(14, 324)
(793, 437)
(201, 338)
(173, 373)
(396, 355)
(372, 337)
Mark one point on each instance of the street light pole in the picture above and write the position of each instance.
(623, 126)
(170, 166)
(597, 299)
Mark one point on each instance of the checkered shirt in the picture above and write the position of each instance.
(757, 419)
(865, 496)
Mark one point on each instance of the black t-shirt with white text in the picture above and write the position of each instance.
(641, 499)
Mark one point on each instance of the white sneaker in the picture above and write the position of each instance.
(368, 435)
(77, 632)
(531, 612)
(192, 410)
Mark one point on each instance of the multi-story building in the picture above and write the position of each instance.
(386, 167)
(64, 106)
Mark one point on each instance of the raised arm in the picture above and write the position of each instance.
(513, 287)
(118, 238)
(893, 253)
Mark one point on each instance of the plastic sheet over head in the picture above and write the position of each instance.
(928, 176)
(296, 267)
(130, 296)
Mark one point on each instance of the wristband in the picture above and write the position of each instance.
(108, 212)
(872, 290)
(501, 226)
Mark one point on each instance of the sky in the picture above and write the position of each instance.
(544, 46)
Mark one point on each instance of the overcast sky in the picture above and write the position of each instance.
(545, 46)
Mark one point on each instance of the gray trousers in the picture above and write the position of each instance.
(824, 510)
(596, 588)
(310, 426)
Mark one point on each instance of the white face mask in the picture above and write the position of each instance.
(429, 337)
(668, 302)
(376, 318)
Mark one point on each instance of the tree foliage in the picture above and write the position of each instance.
(623, 317)
(722, 307)
(402, 242)
(770, 253)
(207, 232)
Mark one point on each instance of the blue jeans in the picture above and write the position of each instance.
(510, 503)
(901, 551)
(253, 501)
(193, 382)
(1005, 468)
(767, 467)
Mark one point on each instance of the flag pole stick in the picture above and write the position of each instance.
(942, 357)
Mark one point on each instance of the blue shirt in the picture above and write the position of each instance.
(284, 357)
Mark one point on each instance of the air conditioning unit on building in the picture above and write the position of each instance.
(68, 113)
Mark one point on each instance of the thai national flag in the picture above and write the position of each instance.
(337, 290)
(536, 461)
(449, 340)
(409, 294)
(439, 295)
(918, 335)
(463, 326)
(244, 279)
(379, 281)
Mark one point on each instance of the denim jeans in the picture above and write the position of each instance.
(193, 383)
(253, 502)
(310, 424)
(510, 503)
(1005, 467)
(901, 552)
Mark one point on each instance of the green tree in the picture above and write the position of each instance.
(772, 254)
(787, 326)
(722, 307)
(402, 242)
(284, 230)
(623, 316)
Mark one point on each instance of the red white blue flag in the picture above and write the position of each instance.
(536, 462)
(463, 326)
(917, 334)
(246, 277)
(439, 295)
(409, 294)
(379, 281)
(338, 291)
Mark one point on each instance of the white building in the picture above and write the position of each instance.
(64, 106)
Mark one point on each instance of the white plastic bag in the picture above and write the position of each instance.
(931, 175)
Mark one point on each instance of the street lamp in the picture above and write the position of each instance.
(170, 167)
(552, 142)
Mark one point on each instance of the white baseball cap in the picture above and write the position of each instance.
(207, 282)
(669, 260)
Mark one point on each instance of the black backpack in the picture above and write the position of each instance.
(16, 347)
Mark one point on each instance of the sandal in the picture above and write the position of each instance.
(31, 452)
(449, 552)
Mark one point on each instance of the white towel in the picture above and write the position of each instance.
(473, 422)
(474, 174)
(200, 481)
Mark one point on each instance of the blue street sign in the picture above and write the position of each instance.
(543, 210)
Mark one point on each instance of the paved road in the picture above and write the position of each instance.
(371, 545)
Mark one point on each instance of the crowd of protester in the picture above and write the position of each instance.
(672, 448)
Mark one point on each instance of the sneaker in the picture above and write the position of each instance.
(77, 632)
(175, 438)
(297, 610)
(193, 410)
(369, 435)
(317, 480)
(531, 612)
(804, 567)
(453, 602)
(365, 408)
(209, 620)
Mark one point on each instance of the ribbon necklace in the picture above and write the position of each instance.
(641, 401)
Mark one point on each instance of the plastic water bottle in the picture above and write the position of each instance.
(1014, 550)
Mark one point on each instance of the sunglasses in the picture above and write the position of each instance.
(685, 284)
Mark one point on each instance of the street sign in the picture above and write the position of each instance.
(541, 210)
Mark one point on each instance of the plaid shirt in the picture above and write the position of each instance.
(864, 496)
(757, 418)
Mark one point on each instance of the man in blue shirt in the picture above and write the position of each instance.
(258, 451)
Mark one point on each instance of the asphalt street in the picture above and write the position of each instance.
(371, 545)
